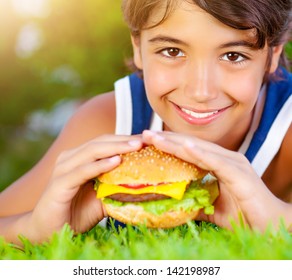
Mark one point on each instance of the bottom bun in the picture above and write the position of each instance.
(136, 215)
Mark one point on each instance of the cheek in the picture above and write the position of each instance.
(243, 89)
(249, 82)
(159, 82)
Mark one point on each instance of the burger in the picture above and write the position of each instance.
(156, 189)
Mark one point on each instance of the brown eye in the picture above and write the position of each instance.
(173, 52)
(233, 56)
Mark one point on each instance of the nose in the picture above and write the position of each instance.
(200, 81)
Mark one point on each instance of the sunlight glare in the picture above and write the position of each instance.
(29, 40)
(35, 8)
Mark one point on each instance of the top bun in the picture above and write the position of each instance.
(151, 166)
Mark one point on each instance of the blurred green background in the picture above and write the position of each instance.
(53, 54)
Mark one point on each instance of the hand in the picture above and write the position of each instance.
(70, 197)
(241, 190)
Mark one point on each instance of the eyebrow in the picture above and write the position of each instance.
(241, 43)
(167, 39)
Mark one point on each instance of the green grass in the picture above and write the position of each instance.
(192, 241)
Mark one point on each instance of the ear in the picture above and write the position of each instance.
(137, 51)
(276, 53)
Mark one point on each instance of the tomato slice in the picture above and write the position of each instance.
(139, 186)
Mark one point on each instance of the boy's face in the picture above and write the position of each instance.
(201, 76)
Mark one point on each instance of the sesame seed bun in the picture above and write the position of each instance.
(136, 215)
(151, 166)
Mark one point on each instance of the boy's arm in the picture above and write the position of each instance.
(12, 227)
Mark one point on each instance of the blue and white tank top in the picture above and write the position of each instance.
(272, 117)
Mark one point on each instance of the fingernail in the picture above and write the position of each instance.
(158, 137)
(134, 143)
(149, 132)
(153, 134)
(189, 144)
(114, 159)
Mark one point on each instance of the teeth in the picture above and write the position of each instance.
(199, 115)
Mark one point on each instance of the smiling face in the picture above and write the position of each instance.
(201, 76)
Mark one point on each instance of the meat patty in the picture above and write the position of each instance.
(123, 197)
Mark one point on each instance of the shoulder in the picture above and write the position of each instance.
(97, 112)
(278, 176)
(284, 157)
(286, 148)
(94, 117)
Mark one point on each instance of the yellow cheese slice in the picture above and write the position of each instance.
(174, 190)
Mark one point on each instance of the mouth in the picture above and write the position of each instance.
(198, 117)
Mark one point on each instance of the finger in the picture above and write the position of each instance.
(221, 162)
(101, 139)
(117, 138)
(180, 144)
(99, 150)
(64, 188)
(94, 151)
(87, 210)
(151, 137)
